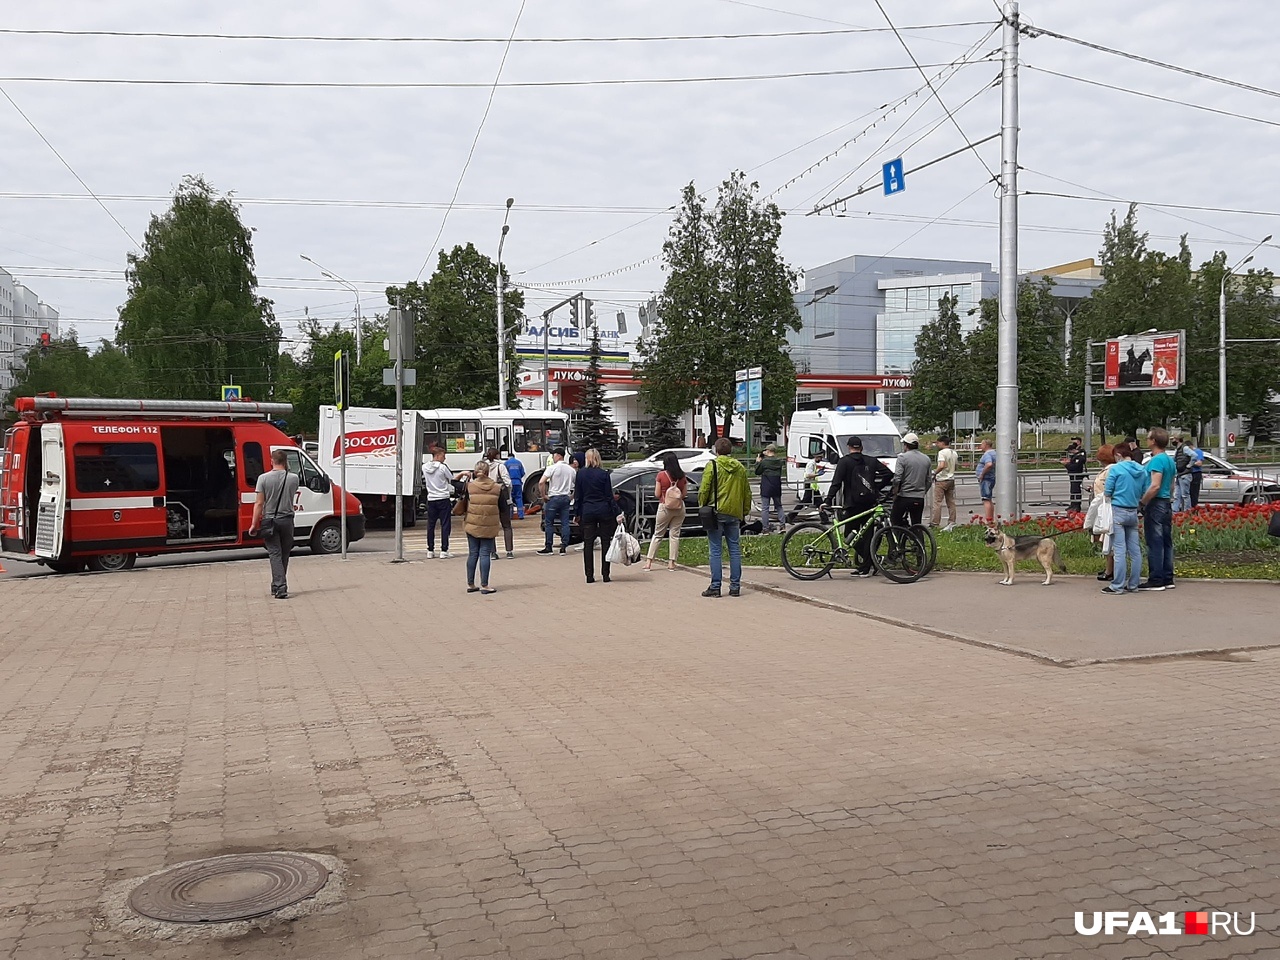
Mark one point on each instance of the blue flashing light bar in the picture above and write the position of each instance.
(853, 409)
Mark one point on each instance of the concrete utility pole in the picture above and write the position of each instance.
(397, 317)
(502, 333)
(1006, 498)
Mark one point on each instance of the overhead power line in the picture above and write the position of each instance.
(1148, 203)
(493, 89)
(340, 202)
(932, 89)
(459, 85)
(1153, 96)
(1157, 208)
(943, 77)
(1033, 32)
(63, 161)
(918, 137)
(317, 38)
(930, 163)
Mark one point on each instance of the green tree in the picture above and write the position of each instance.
(938, 374)
(727, 304)
(1040, 356)
(457, 331)
(593, 428)
(665, 431)
(193, 320)
(1253, 369)
(70, 370)
(306, 379)
(1144, 289)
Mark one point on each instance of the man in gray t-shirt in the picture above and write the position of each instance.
(911, 476)
(276, 489)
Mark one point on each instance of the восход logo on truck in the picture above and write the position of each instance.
(367, 443)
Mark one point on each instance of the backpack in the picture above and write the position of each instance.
(673, 499)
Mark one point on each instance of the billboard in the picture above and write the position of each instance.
(1146, 361)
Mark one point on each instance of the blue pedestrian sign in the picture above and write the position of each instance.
(231, 391)
(895, 181)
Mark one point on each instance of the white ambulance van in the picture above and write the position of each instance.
(826, 431)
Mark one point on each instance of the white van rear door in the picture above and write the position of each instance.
(52, 508)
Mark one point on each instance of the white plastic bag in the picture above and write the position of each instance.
(617, 552)
(1104, 522)
(632, 553)
(623, 548)
(1091, 514)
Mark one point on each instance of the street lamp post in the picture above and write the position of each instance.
(502, 333)
(350, 286)
(1222, 348)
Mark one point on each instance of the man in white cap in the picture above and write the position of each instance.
(911, 477)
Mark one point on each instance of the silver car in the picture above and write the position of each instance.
(1224, 482)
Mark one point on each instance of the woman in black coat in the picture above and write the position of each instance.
(596, 511)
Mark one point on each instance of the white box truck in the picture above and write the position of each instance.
(826, 431)
(371, 458)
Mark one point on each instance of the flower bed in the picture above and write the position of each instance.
(1217, 541)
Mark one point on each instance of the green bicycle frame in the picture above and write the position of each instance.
(878, 512)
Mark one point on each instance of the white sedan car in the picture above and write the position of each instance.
(691, 458)
(1224, 482)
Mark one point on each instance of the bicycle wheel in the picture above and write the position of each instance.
(899, 554)
(930, 542)
(809, 551)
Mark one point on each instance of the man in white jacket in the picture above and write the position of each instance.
(439, 482)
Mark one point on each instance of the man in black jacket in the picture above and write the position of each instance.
(858, 480)
(1075, 462)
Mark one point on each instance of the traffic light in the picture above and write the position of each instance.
(590, 318)
(46, 342)
(575, 318)
(342, 379)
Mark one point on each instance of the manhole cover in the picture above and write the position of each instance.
(235, 887)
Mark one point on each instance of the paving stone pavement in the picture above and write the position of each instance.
(1063, 622)
(620, 770)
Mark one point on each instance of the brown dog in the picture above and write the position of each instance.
(1013, 549)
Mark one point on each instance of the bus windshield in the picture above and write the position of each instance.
(875, 444)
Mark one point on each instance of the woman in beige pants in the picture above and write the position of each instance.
(669, 490)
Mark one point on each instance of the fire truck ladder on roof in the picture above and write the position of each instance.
(97, 407)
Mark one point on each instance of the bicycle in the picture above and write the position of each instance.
(930, 541)
(811, 550)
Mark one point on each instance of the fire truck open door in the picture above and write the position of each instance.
(52, 508)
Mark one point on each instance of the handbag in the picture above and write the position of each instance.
(267, 526)
(460, 499)
(1273, 525)
(707, 511)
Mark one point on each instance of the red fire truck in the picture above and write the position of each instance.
(103, 482)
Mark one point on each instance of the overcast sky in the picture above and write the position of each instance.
(590, 166)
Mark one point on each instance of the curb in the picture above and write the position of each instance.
(1216, 653)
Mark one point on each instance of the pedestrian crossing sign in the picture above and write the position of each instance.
(230, 391)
